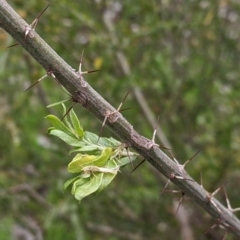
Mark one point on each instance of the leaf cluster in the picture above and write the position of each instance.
(97, 161)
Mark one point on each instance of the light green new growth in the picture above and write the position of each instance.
(97, 161)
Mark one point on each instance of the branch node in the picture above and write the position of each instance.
(80, 73)
(112, 116)
(211, 195)
(29, 30)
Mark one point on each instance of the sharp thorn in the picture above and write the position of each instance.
(119, 107)
(138, 165)
(180, 201)
(13, 45)
(163, 190)
(67, 112)
(108, 114)
(126, 95)
(228, 202)
(155, 129)
(93, 71)
(164, 147)
(190, 159)
(41, 13)
(212, 227)
(216, 191)
(124, 109)
(227, 199)
(80, 63)
(225, 235)
(81, 59)
(129, 158)
(186, 179)
(171, 155)
(104, 121)
(33, 25)
(40, 79)
(31, 86)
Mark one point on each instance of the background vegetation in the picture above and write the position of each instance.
(183, 58)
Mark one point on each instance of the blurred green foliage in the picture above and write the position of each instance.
(184, 57)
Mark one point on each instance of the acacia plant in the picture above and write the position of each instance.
(99, 159)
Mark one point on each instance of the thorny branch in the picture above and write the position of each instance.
(12, 23)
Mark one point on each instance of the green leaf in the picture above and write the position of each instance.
(88, 187)
(110, 142)
(50, 129)
(79, 161)
(77, 184)
(59, 125)
(104, 157)
(57, 103)
(69, 182)
(76, 124)
(66, 138)
(125, 160)
(109, 176)
(90, 137)
(76, 149)
(65, 120)
(82, 160)
(86, 149)
(105, 142)
(114, 142)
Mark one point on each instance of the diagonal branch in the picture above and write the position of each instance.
(12, 23)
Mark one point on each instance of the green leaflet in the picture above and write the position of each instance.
(76, 124)
(91, 137)
(69, 182)
(78, 184)
(59, 125)
(107, 142)
(65, 120)
(88, 187)
(108, 177)
(57, 103)
(123, 161)
(104, 157)
(79, 161)
(73, 129)
(67, 138)
(86, 149)
(82, 160)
